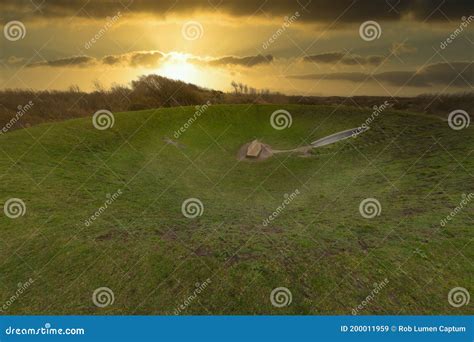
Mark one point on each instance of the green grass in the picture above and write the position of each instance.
(319, 247)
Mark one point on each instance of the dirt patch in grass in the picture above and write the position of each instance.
(363, 245)
(203, 251)
(169, 236)
(237, 258)
(113, 235)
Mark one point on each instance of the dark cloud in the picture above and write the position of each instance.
(343, 58)
(77, 61)
(145, 59)
(457, 74)
(115, 59)
(314, 11)
(247, 61)
(148, 59)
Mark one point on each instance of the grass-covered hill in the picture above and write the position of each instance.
(20, 108)
(319, 246)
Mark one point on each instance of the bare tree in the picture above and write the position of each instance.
(234, 85)
(74, 88)
(98, 86)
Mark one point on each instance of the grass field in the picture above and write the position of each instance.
(320, 247)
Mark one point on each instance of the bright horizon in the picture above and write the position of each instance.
(343, 49)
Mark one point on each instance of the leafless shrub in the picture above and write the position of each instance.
(153, 91)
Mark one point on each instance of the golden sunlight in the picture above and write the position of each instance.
(177, 67)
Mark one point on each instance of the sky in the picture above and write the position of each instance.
(318, 47)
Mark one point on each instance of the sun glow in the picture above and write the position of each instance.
(177, 67)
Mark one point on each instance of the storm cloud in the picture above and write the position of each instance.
(74, 61)
(247, 61)
(344, 58)
(147, 59)
(313, 11)
(150, 59)
(457, 74)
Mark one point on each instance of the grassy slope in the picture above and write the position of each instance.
(320, 247)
